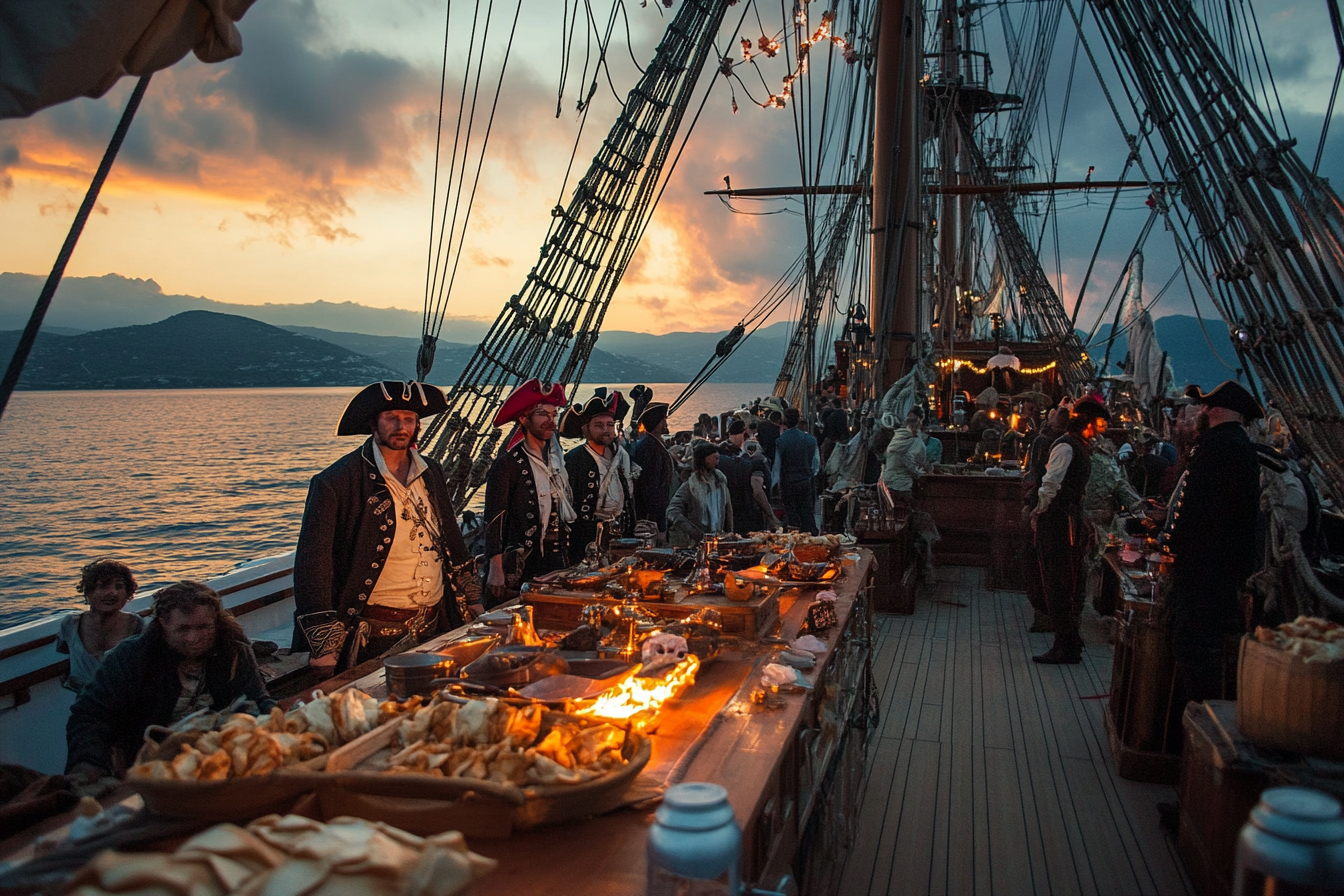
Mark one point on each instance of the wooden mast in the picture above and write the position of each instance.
(898, 110)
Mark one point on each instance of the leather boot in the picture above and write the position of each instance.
(1041, 623)
(1059, 654)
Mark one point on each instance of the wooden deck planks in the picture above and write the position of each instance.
(992, 774)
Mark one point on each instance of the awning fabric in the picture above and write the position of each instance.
(52, 51)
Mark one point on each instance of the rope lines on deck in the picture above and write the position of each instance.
(549, 327)
(1266, 235)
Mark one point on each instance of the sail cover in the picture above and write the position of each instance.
(53, 51)
(1146, 362)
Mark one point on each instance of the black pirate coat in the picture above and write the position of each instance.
(584, 479)
(348, 525)
(657, 479)
(512, 514)
(1212, 536)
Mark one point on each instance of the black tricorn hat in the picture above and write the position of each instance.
(655, 413)
(1230, 395)
(576, 417)
(389, 395)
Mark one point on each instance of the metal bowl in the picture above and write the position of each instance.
(806, 572)
(407, 674)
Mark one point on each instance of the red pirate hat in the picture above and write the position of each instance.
(527, 396)
(574, 419)
(389, 395)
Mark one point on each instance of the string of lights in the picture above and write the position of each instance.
(954, 364)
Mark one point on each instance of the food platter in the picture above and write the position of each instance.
(762, 578)
(365, 773)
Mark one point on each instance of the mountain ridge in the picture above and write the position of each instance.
(193, 349)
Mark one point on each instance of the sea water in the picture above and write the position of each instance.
(178, 484)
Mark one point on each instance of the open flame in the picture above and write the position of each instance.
(639, 699)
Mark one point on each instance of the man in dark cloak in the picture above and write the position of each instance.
(379, 548)
(599, 471)
(528, 507)
(1212, 535)
(658, 478)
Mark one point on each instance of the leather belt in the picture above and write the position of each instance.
(374, 613)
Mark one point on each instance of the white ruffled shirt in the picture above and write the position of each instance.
(412, 574)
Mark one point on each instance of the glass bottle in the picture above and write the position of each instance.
(1293, 845)
(695, 845)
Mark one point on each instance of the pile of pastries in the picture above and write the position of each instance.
(1315, 640)
(493, 740)
(216, 747)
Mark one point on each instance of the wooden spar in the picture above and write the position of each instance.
(898, 111)
(950, 189)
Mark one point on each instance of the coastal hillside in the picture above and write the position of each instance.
(194, 349)
(1193, 360)
(757, 360)
(100, 303)
(398, 352)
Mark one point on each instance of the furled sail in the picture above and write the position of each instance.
(1147, 362)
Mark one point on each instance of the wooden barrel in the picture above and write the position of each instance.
(1287, 704)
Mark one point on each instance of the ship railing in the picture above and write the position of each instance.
(34, 706)
(968, 69)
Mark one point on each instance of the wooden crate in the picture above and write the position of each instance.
(1218, 789)
(559, 610)
(896, 577)
(1284, 703)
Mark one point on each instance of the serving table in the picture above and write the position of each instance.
(792, 765)
(793, 771)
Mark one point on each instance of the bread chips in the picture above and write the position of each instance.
(492, 740)
(216, 747)
(1315, 640)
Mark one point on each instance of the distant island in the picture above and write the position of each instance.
(115, 332)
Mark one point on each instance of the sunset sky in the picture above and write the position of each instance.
(302, 170)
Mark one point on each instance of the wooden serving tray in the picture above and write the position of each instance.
(426, 804)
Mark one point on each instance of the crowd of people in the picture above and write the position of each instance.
(382, 564)
(1196, 486)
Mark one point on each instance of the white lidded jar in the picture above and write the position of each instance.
(695, 844)
(1293, 845)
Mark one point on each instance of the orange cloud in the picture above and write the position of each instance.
(285, 132)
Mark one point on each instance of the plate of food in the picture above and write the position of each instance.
(526, 764)
(229, 766)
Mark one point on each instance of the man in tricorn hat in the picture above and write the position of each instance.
(658, 479)
(379, 542)
(528, 509)
(1212, 536)
(599, 470)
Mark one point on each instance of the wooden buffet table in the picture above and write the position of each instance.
(773, 762)
(980, 520)
(793, 770)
